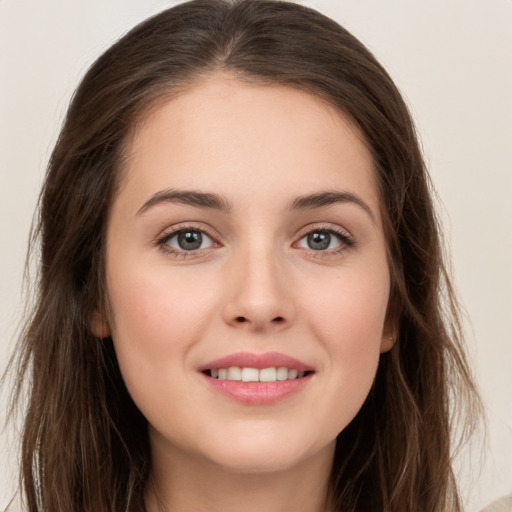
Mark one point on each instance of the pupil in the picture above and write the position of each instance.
(190, 240)
(319, 241)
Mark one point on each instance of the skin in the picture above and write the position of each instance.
(255, 285)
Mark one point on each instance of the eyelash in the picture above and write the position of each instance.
(162, 242)
(346, 241)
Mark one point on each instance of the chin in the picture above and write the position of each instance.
(257, 463)
(254, 455)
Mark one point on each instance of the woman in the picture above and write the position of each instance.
(242, 294)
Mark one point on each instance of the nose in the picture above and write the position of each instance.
(260, 293)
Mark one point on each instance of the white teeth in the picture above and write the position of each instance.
(234, 373)
(282, 373)
(271, 374)
(250, 375)
(268, 375)
(292, 374)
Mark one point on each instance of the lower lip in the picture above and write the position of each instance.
(258, 393)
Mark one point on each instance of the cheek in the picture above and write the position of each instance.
(350, 309)
(155, 305)
(348, 317)
(154, 323)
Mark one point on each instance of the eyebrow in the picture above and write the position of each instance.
(328, 198)
(216, 202)
(188, 197)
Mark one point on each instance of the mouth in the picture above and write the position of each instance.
(248, 374)
(257, 379)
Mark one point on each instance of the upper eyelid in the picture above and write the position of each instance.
(175, 229)
(172, 234)
(331, 228)
(161, 241)
(322, 226)
(345, 238)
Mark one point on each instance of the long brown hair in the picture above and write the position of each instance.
(85, 446)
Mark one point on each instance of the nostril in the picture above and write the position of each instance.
(243, 319)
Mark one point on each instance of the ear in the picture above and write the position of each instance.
(388, 341)
(391, 329)
(99, 325)
(389, 333)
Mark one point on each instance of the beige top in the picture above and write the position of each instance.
(503, 505)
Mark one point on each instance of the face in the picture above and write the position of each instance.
(245, 242)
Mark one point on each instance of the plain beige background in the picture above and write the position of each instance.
(453, 61)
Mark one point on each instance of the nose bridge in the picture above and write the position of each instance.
(260, 295)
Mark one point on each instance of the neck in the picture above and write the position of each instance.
(185, 484)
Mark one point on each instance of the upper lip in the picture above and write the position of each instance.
(259, 361)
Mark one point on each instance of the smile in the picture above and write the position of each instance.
(248, 374)
(257, 379)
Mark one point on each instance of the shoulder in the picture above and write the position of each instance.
(502, 505)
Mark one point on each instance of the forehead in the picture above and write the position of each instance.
(233, 136)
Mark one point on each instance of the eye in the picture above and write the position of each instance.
(187, 240)
(324, 240)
